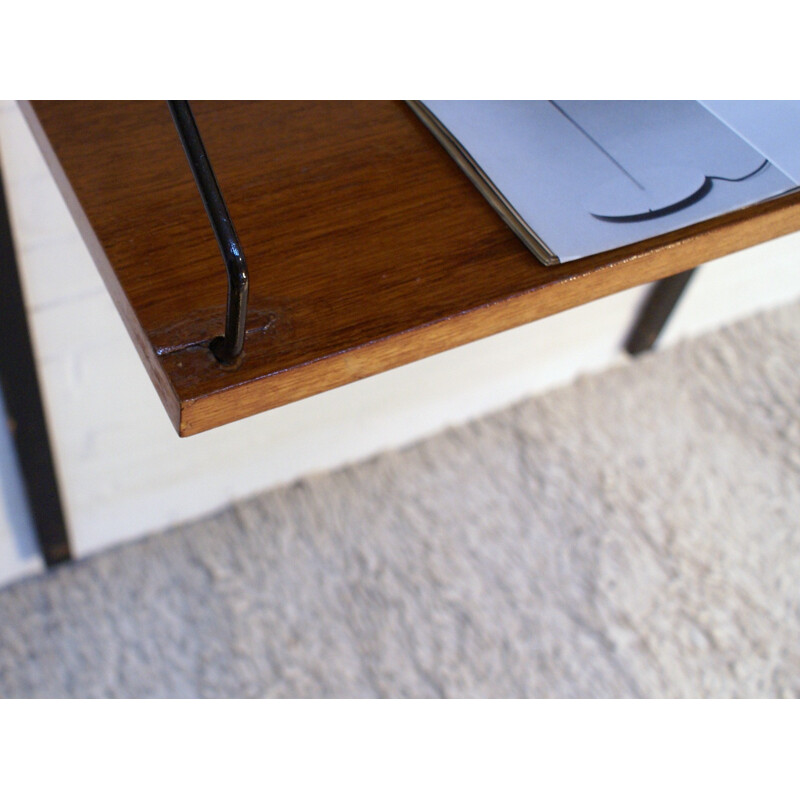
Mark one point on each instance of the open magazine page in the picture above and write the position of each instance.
(590, 176)
(770, 126)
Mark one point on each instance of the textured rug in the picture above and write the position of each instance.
(634, 534)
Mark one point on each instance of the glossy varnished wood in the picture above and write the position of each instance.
(368, 248)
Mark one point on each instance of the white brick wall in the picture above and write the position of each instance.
(125, 472)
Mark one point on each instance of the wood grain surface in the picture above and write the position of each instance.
(367, 246)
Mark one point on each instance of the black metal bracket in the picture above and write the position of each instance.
(26, 419)
(655, 312)
(228, 348)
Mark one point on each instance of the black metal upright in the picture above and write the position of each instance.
(228, 348)
(23, 402)
(655, 312)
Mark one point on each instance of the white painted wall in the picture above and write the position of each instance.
(125, 472)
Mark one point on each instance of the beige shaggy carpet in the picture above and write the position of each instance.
(634, 534)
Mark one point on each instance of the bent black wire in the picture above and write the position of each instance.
(227, 348)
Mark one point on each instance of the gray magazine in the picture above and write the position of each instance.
(575, 178)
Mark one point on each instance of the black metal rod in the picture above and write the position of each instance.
(26, 419)
(228, 348)
(656, 311)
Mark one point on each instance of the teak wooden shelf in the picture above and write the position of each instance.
(368, 248)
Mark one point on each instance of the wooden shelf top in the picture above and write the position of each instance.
(367, 246)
